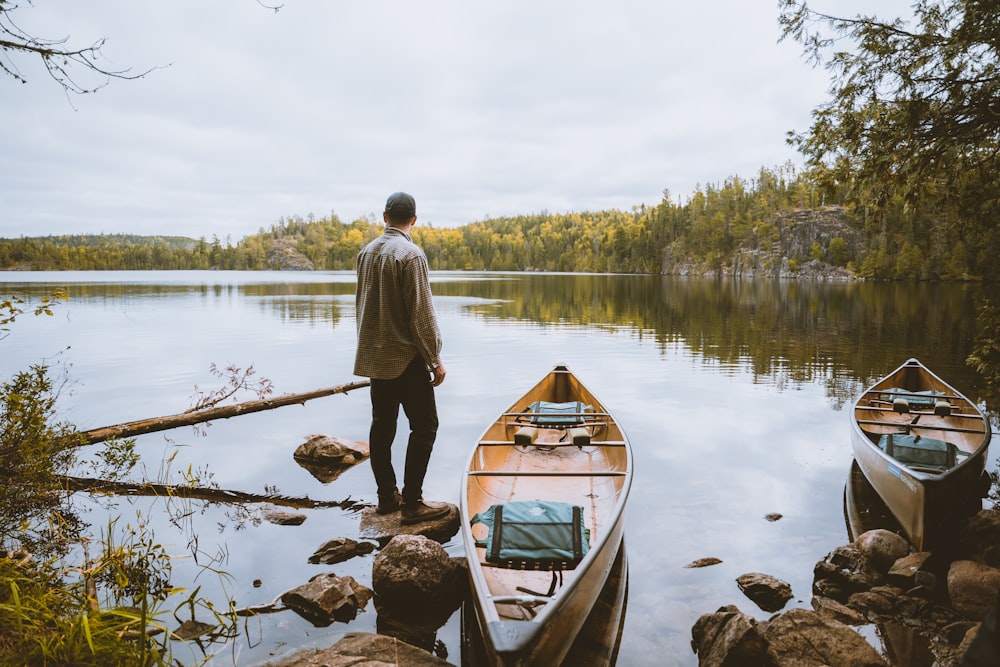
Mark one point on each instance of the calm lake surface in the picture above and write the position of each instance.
(733, 395)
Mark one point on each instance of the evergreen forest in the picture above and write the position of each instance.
(707, 232)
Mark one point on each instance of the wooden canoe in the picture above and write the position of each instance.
(922, 445)
(583, 458)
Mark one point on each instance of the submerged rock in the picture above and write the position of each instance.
(282, 517)
(340, 549)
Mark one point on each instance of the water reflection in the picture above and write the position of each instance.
(864, 511)
(844, 333)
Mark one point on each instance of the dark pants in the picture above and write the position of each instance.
(413, 391)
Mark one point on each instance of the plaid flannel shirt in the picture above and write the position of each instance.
(395, 317)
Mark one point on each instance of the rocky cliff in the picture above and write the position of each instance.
(788, 251)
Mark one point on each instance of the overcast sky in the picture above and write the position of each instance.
(477, 108)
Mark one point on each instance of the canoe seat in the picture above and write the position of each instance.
(920, 452)
(534, 535)
(911, 399)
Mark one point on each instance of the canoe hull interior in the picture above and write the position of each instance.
(586, 464)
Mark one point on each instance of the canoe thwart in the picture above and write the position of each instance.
(928, 427)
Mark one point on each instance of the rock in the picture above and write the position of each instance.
(383, 527)
(363, 648)
(904, 571)
(704, 562)
(326, 457)
(340, 549)
(413, 576)
(768, 593)
(844, 572)
(773, 516)
(872, 603)
(191, 629)
(973, 588)
(882, 548)
(728, 638)
(830, 608)
(981, 537)
(800, 637)
(327, 598)
(282, 517)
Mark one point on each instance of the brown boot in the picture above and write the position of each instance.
(423, 510)
(389, 504)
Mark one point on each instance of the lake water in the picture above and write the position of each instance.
(733, 395)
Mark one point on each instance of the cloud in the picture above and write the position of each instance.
(476, 108)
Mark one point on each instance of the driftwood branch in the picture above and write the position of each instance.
(199, 493)
(143, 426)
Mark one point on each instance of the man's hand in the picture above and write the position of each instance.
(438, 374)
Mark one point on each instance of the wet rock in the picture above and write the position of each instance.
(973, 588)
(843, 572)
(383, 527)
(904, 572)
(773, 516)
(882, 547)
(704, 562)
(872, 604)
(802, 637)
(282, 517)
(340, 549)
(327, 598)
(728, 638)
(767, 592)
(191, 629)
(413, 576)
(363, 648)
(326, 457)
(830, 608)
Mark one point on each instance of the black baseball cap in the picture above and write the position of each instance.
(400, 205)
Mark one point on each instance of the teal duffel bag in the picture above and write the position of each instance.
(534, 535)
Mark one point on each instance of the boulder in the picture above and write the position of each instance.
(364, 648)
(768, 593)
(881, 548)
(728, 638)
(413, 576)
(704, 562)
(801, 637)
(327, 598)
(973, 588)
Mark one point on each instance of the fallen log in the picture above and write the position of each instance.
(201, 493)
(143, 426)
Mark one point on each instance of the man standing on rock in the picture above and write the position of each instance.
(399, 348)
